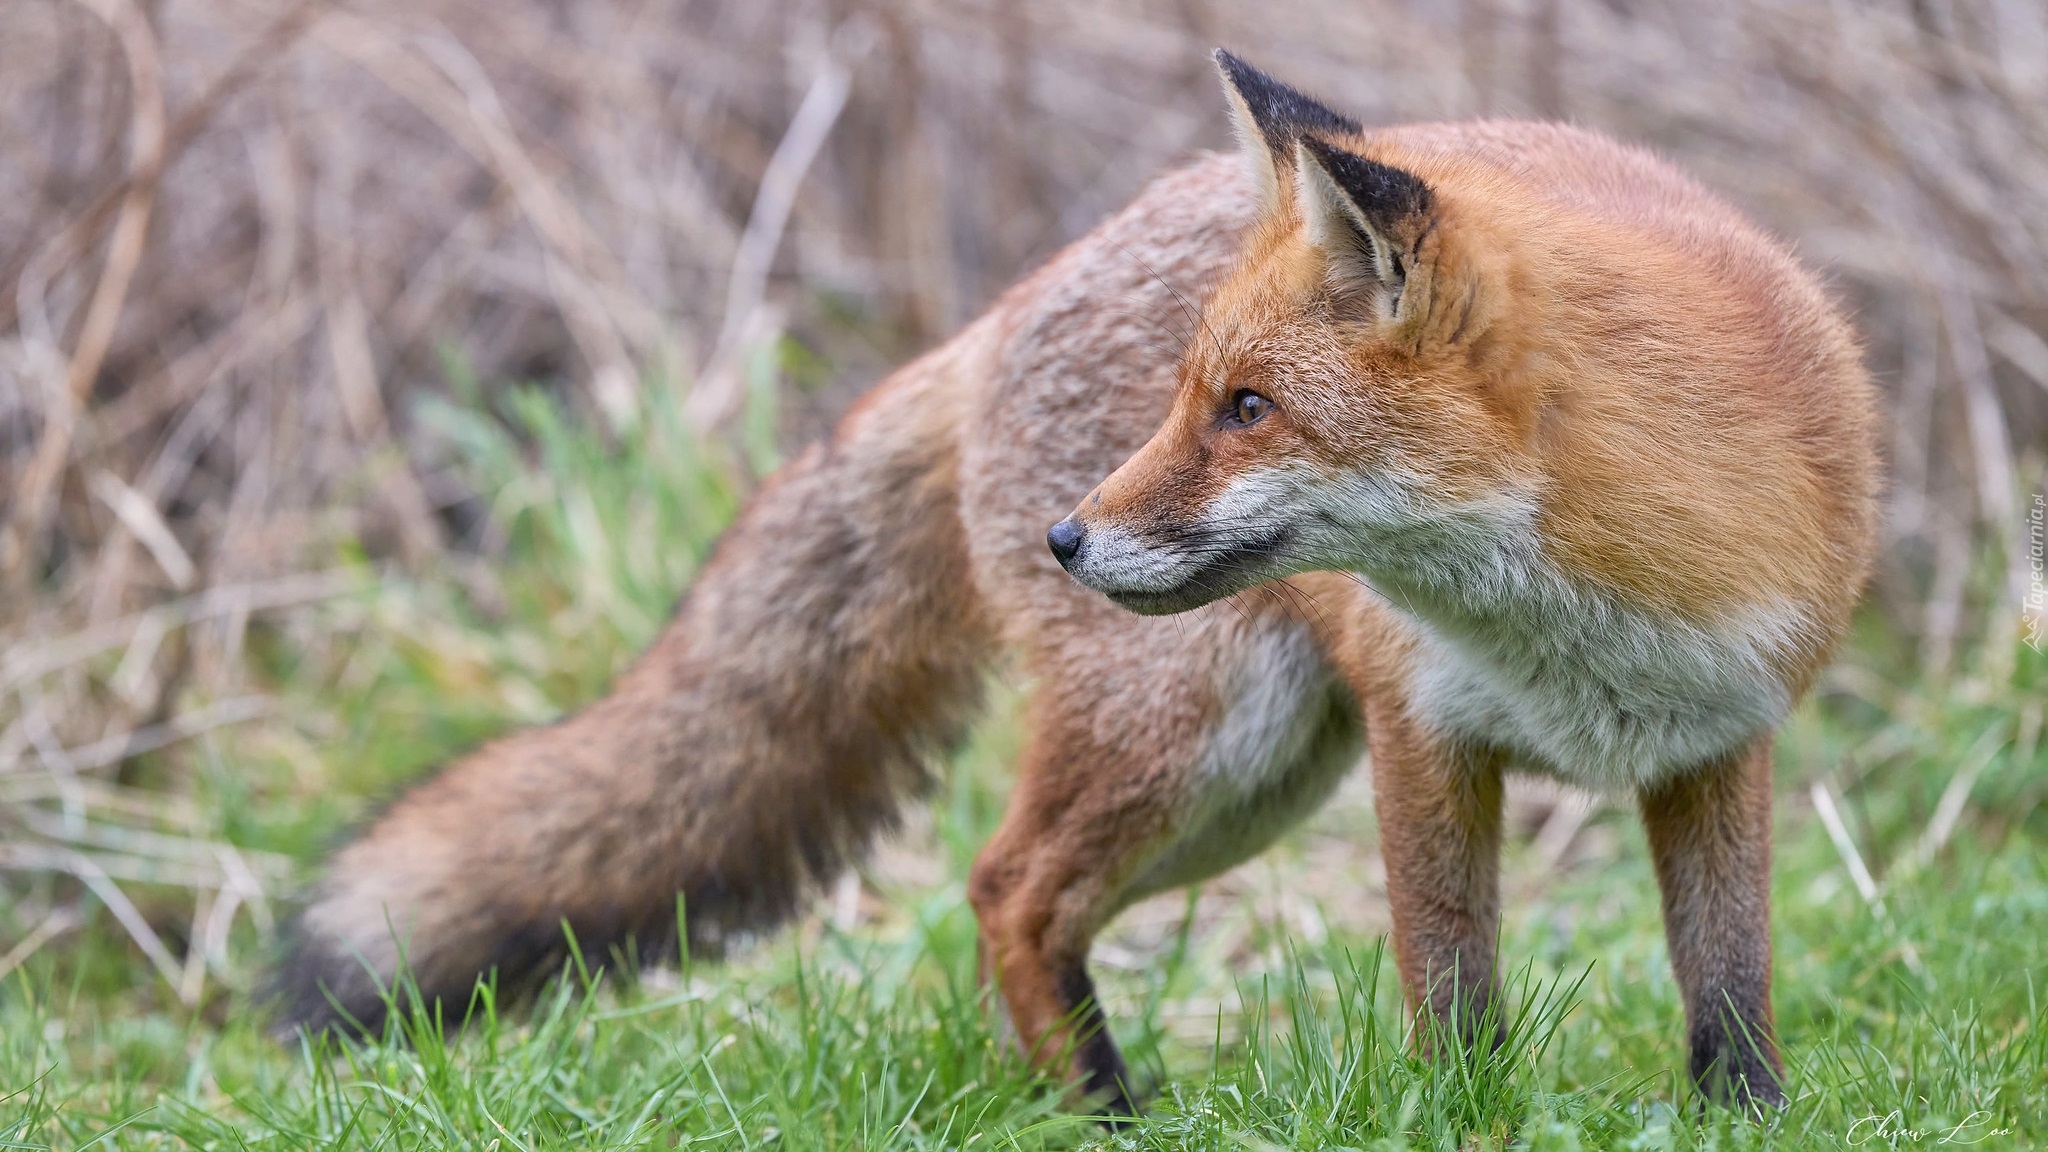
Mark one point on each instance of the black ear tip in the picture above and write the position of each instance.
(1279, 111)
(1235, 71)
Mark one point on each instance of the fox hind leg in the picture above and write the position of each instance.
(1161, 752)
(1044, 885)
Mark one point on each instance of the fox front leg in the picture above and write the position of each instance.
(1710, 838)
(1439, 809)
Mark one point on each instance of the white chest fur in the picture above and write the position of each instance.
(1608, 698)
(1581, 684)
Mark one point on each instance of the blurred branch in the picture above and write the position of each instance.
(84, 229)
(458, 96)
(717, 392)
(1859, 873)
(21, 545)
(140, 515)
(126, 745)
(40, 858)
(27, 661)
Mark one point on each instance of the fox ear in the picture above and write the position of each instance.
(1269, 117)
(1371, 219)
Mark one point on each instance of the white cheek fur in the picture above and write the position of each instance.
(1115, 560)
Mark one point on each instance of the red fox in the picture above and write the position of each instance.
(1511, 449)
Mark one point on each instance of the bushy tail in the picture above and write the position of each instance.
(830, 646)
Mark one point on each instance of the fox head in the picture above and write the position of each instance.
(1341, 395)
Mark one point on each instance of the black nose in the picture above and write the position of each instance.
(1064, 539)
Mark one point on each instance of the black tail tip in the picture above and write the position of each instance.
(315, 988)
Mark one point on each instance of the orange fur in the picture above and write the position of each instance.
(1573, 464)
(1603, 445)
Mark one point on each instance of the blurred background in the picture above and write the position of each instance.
(373, 372)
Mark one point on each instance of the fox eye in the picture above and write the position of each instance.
(1247, 406)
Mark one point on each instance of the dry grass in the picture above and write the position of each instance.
(239, 241)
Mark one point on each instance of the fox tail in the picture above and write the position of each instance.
(832, 645)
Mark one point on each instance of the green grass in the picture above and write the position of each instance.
(1921, 1023)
